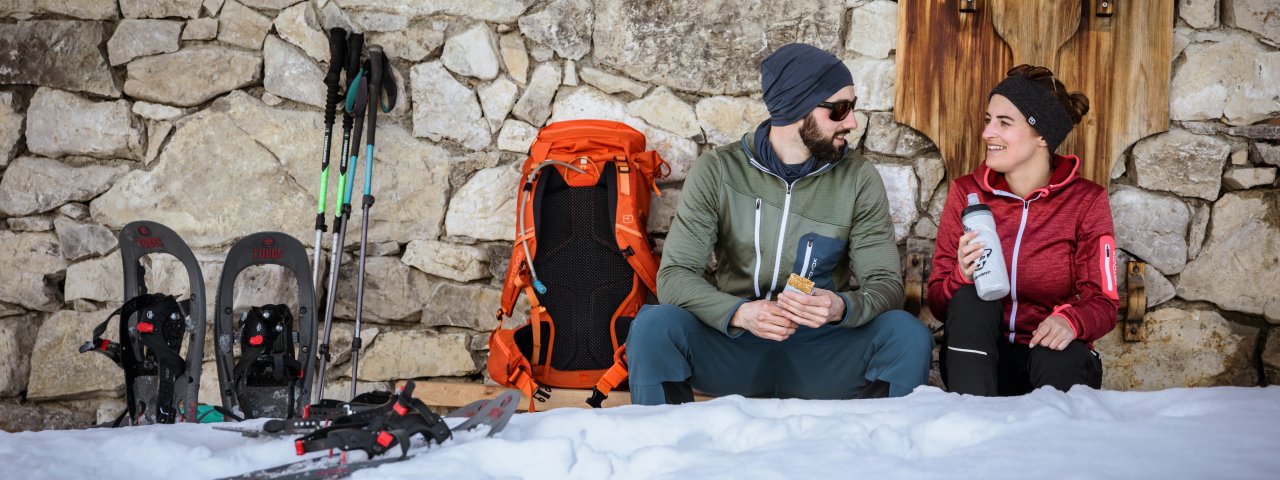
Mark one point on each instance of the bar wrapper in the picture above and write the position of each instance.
(798, 284)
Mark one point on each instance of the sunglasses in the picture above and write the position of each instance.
(839, 110)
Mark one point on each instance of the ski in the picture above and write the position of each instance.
(495, 414)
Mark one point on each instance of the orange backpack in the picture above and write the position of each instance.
(581, 256)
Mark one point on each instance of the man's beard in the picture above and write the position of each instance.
(822, 148)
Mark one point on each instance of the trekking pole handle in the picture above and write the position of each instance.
(337, 60)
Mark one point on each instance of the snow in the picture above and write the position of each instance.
(1221, 432)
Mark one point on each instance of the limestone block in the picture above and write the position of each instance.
(467, 306)
(891, 138)
(140, 38)
(642, 40)
(662, 210)
(80, 240)
(200, 29)
(472, 52)
(156, 111)
(394, 292)
(413, 43)
(11, 122)
(931, 171)
(1258, 16)
(291, 74)
(873, 29)
(160, 8)
(445, 108)
(96, 279)
(565, 26)
(516, 136)
(514, 57)
(242, 26)
(60, 371)
(61, 123)
(725, 119)
(873, 82)
(193, 75)
(1183, 348)
(82, 9)
(610, 83)
(17, 336)
(496, 11)
(1181, 162)
(901, 186)
(1151, 226)
(37, 185)
(300, 25)
(496, 99)
(665, 110)
(482, 208)
(462, 263)
(1236, 267)
(534, 105)
(433, 355)
(1230, 77)
(69, 56)
(1246, 178)
(261, 142)
(1199, 13)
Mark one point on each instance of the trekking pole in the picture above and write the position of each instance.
(337, 59)
(342, 205)
(375, 87)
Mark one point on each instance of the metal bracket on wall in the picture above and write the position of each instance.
(1135, 305)
(1105, 8)
(967, 6)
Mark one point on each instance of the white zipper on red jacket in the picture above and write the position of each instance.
(1017, 247)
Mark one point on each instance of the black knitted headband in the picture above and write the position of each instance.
(1040, 106)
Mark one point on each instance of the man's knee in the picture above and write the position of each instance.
(659, 324)
(905, 331)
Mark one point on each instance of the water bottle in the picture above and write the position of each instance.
(991, 278)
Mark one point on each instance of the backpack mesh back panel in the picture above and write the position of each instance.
(586, 276)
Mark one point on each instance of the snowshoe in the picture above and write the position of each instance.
(161, 385)
(265, 357)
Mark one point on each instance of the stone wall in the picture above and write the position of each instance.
(205, 115)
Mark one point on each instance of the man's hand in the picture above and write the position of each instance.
(1054, 332)
(764, 319)
(816, 310)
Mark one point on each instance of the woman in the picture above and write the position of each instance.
(1056, 234)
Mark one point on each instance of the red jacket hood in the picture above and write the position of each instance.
(1066, 169)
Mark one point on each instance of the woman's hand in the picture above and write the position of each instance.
(1054, 332)
(969, 252)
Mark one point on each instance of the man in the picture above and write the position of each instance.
(789, 198)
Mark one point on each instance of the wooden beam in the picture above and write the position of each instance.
(452, 395)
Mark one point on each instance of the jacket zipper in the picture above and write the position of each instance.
(755, 277)
(805, 270)
(782, 229)
(1013, 271)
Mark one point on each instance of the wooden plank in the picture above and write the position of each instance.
(452, 395)
(947, 61)
(1035, 30)
(1122, 63)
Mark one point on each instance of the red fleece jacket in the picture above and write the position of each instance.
(1058, 244)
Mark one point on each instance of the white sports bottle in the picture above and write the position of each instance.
(991, 278)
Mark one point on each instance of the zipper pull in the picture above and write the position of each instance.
(757, 204)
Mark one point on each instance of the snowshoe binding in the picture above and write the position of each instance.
(265, 358)
(161, 385)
